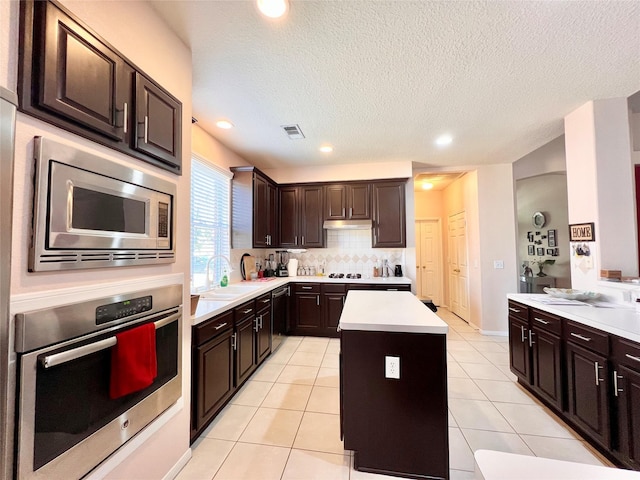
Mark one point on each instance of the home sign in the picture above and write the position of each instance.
(582, 232)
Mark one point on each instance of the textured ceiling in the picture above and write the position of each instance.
(380, 80)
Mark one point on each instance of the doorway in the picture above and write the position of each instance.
(429, 260)
(458, 268)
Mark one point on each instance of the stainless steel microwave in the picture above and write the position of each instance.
(90, 212)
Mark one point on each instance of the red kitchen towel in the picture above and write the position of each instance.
(133, 361)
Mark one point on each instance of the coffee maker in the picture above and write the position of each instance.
(283, 260)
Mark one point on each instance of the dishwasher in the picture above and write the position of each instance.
(280, 316)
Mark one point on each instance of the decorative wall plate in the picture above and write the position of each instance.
(539, 220)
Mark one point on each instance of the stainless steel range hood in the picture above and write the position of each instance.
(347, 225)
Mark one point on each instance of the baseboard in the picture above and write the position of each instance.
(175, 470)
(497, 333)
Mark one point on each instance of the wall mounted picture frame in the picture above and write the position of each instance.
(551, 238)
(531, 250)
(540, 251)
(530, 236)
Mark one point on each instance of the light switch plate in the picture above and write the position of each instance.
(498, 264)
(392, 367)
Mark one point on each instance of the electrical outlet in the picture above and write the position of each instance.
(392, 367)
(498, 264)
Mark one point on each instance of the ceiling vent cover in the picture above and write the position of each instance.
(293, 132)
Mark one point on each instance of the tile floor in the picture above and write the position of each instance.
(284, 423)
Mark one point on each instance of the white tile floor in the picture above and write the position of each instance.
(284, 423)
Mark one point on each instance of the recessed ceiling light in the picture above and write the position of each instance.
(326, 149)
(444, 140)
(273, 8)
(226, 124)
(427, 185)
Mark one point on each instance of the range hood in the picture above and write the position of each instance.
(347, 225)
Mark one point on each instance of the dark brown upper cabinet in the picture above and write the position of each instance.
(348, 201)
(72, 78)
(389, 216)
(301, 216)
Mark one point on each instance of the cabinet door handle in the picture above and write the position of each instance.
(221, 325)
(343, 212)
(306, 288)
(249, 310)
(350, 212)
(631, 357)
(146, 129)
(296, 240)
(616, 390)
(531, 342)
(302, 240)
(597, 370)
(577, 335)
(515, 310)
(125, 114)
(266, 300)
(234, 343)
(544, 322)
(256, 320)
(523, 337)
(318, 300)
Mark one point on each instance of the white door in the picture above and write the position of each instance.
(429, 260)
(458, 266)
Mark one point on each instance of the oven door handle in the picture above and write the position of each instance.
(67, 356)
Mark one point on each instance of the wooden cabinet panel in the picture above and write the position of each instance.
(254, 204)
(260, 212)
(263, 336)
(272, 215)
(245, 359)
(333, 304)
(627, 407)
(588, 393)
(348, 201)
(546, 357)
(519, 351)
(389, 217)
(308, 314)
(310, 217)
(288, 224)
(74, 79)
(158, 122)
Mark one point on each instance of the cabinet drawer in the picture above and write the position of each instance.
(263, 302)
(211, 328)
(590, 338)
(307, 287)
(546, 321)
(243, 311)
(334, 288)
(518, 310)
(626, 352)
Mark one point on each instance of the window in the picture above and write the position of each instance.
(210, 220)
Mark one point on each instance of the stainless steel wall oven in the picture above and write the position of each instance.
(89, 212)
(67, 421)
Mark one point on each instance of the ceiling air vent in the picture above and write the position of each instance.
(293, 132)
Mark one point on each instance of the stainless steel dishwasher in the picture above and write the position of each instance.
(280, 315)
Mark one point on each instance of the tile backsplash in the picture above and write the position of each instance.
(348, 251)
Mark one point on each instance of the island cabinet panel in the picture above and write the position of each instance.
(626, 400)
(395, 426)
(519, 351)
(389, 217)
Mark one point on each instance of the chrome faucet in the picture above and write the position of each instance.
(207, 282)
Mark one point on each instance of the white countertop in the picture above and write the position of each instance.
(383, 311)
(210, 308)
(492, 465)
(624, 322)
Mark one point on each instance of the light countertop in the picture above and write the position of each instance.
(384, 311)
(494, 465)
(210, 308)
(624, 322)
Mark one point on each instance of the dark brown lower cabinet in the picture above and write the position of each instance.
(626, 395)
(519, 351)
(212, 370)
(245, 351)
(546, 356)
(395, 426)
(263, 335)
(588, 392)
(307, 311)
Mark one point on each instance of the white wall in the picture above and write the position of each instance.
(549, 158)
(334, 173)
(134, 29)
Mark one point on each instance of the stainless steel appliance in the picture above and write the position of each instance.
(283, 260)
(90, 212)
(280, 316)
(8, 102)
(67, 421)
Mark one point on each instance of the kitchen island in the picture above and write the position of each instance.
(393, 384)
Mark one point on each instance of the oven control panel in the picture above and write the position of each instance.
(118, 310)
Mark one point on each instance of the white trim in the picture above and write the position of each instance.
(179, 465)
(223, 171)
(497, 333)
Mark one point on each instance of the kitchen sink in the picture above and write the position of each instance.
(229, 293)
